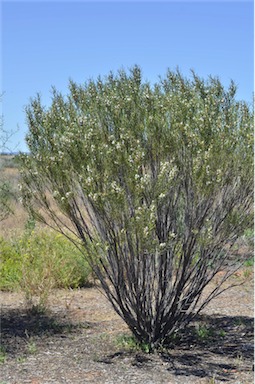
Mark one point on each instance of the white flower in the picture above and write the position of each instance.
(93, 196)
(164, 166)
(146, 231)
(152, 207)
(115, 187)
(68, 194)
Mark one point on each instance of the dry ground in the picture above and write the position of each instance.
(76, 343)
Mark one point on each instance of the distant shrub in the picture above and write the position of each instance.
(9, 176)
(5, 198)
(39, 261)
(8, 161)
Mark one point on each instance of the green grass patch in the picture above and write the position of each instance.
(203, 332)
(249, 262)
(129, 343)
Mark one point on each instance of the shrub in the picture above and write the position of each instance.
(10, 266)
(155, 181)
(6, 192)
(39, 261)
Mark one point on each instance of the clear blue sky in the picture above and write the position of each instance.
(46, 43)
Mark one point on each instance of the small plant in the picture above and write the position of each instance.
(239, 359)
(21, 359)
(29, 226)
(130, 343)
(35, 307)
(247, 273)
(10, 266)
(31, 347)
(239, 322)
(2, 354)
(50, 261)
(249, 262)
(222, 333)
(203, 332)
(39, 261)
(212, 380)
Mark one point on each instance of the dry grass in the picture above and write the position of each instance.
(14, 225)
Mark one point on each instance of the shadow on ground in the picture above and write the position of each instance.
(18, 327)
(213, 346)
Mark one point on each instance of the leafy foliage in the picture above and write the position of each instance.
(39, 261)
(155, 182)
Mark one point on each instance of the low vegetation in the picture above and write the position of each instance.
(38, 261)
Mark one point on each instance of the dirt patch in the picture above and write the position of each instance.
(75, 342)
